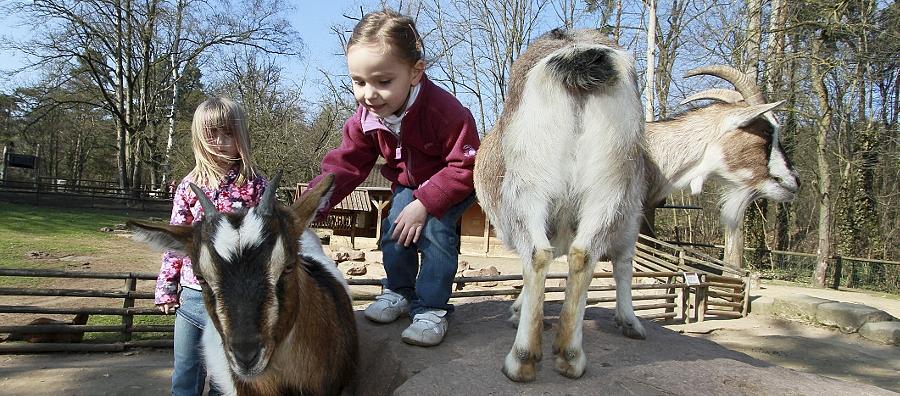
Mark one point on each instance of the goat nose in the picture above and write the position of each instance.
(246, 353)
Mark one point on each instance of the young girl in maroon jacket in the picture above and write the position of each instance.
(428, 140)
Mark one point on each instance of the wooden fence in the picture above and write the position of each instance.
(662, 290)
(84, 194)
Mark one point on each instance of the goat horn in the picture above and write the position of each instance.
(741, 81)
(724, 95)
(267, 202)
(209, 208)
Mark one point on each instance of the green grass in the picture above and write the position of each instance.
(55, 231)
(112, 320)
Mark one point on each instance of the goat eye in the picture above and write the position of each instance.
(288, 269)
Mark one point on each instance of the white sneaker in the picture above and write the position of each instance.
(387, 307)
(427, 329)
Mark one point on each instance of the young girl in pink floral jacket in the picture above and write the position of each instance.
(226, 173)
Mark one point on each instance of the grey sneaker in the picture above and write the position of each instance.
(427, 329)
(387, 307)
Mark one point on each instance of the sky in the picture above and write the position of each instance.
(311, 18)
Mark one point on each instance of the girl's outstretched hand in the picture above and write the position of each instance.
(167, 307)
(410, 224)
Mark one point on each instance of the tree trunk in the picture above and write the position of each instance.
(122, 142)
(823, 251)
(734, 247)
(753, 33)
(175, 62)
(651, 59)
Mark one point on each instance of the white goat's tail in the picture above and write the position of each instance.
(585, 68)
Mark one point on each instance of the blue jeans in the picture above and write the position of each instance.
(427, 287)
(189, 375)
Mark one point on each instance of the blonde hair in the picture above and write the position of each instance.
(394, 32)
(212, 116)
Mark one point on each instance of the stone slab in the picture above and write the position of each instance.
(762, 305)
(848, 317)
(798, 306)
(468, 362)
(883, 332)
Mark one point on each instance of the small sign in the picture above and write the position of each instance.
(691, 279)
(21, 161)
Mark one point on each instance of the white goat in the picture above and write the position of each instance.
(282, 318)
(735, 141)
(562, 173)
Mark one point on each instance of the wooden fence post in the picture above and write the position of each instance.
(838, 269)
(128, 318)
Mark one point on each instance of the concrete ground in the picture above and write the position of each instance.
(768, 342)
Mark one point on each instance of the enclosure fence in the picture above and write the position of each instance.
(670, 283)
(843, 271)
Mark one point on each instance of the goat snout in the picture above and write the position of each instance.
(246, 353)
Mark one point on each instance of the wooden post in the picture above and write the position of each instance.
(685, 302)
(128, 319)
(838, 269)
(746, 306)
(380, 204)
(353, 230)
(670, 280)
(6, 150)
(701, 303)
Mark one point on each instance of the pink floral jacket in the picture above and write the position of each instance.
(186, 209)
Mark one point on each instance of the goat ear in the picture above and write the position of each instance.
(743, 116)
(312, 201)
(163, 236)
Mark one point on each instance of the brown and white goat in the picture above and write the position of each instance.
(734, 140)
(562, 173)
(282, 316)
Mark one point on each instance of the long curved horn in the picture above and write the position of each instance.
(741, 81)
(267, 202)
(209, 208)
(724, 95)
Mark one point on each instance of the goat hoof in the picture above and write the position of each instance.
(521, 365)
(571, 363)
(521, 372)
(635, 331)
(631, 329)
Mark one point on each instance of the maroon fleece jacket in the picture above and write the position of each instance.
(437, 145)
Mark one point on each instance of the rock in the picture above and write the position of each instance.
(357, 269)
(762, 305)
(798, 306)
(106, 229)
(38, 255)
(356, 255)
(469, 359)
(120, 226)
(883, 332)
(848, 317)
(340, 256)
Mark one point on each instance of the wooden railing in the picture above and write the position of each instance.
(84, 194)
(660, 292)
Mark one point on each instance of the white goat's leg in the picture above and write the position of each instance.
(570, 358)
(625, 316)
(520, 363)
